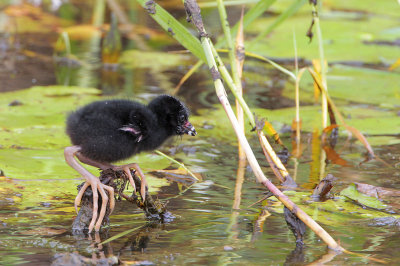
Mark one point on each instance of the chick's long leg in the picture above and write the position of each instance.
(100, 165)
(127, 170)
(96, 185)
(104, 166)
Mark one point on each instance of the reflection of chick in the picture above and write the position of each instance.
(112, 130)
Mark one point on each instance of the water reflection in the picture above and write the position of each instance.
(206, 230)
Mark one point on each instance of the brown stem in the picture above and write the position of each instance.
(193, 12)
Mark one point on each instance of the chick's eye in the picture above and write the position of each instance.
(182, 118)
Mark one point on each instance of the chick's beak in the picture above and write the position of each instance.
(189, 129)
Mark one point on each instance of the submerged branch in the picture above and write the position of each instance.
(153, 209)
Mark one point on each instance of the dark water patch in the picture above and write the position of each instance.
(26, 60)
(388, 43)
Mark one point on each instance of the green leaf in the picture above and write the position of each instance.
(177, 30)
(32, 135)
(252, 14)
(156, 61)
(354, 85)
(344, 39)
(282, 17)
(42, 106)
(352, 193)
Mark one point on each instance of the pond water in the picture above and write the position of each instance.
(37, 188)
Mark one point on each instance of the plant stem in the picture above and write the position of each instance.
(324, 102)
(297, 91)
(192, 70)
(193, 12)
(231, 84)
(252, 14)
(228, 79)
(234, 67)
(231, 49)
(239, 59)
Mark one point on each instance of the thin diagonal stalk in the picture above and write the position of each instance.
(228, 79)
(239, 59)
(324, 102)
(188, 74)
(252, 14)
(265, 59)
(277, 66)
(193, 11)
(179, 163)
(282, 17)
(234, 64)
(297, 91)
(228, 38)
(227, 3)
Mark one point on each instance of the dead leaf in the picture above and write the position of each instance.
(334, 157)
(389, 194)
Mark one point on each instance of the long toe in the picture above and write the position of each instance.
(143, 189)
(78, 198)
(110, 191)
(95, 205)
(142, 177)
(103, 209)
(127, 171)
(135, 166)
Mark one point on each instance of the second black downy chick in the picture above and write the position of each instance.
(112, 130)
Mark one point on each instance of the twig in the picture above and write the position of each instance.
(194, 68)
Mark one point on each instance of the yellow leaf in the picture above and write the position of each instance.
(395, 65)
(82, 32)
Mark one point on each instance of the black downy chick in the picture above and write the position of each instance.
(112, 130)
